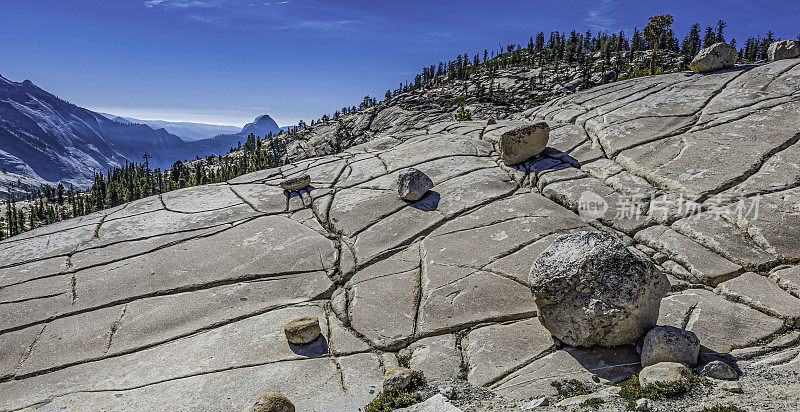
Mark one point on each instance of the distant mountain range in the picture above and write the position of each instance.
(44, 139)
(187, 131)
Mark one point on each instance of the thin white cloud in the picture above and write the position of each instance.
(306, 16)
(601, 15)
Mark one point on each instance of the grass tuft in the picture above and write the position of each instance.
(570, 388)
(593, 402)
(632, 391)
(389, 401)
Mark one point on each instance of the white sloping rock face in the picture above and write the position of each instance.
(178, 302)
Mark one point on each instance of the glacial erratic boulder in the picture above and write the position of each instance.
(397, 378)
(670, 344)
(663, 373)
(294, 184)
(593, 290)
(271, 402)
(718, 56)
(523, 142)
(719, 370)
(413, 184)
(303, 330)
(784, 49)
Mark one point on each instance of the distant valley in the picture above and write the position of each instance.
(47, 140)
(187, 131)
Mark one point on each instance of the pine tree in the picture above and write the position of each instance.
(653, 32)
(721, 25)
(710, 37)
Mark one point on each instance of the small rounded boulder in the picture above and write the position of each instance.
(670, 344)
(296, 183)
(302, 331)
(271, 402)
(397, 378)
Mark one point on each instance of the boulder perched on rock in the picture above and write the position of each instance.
(294, 184)
(592, 290)
(413, 184)
(664, 372)
(397, 378)
(784, 49)
(271, 402)
(670, 344)
(523, 142)
(715, 57)
(718, 370)
(303, 330)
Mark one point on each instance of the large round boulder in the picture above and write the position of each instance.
(715, 57)
(593, 290)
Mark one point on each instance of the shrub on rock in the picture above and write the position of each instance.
(592, 290)
(715, 57)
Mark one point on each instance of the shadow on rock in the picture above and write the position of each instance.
(709, 355)
(615, 363)
(550, 160)
(297, 193)
(428, 203)
(318, 347)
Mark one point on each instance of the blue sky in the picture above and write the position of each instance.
(227, 61)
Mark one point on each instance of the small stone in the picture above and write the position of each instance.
(718, 370)
(491, 121)
(592, 290)
(523, 142)
(785, 49)
(449, 392)
(664, 372)
(670, 344)
(303, 330)
(271, 402)
(644, 405)
(413, 184)
(731, 386)
(436, 403)
(536, 403)
(785, 341)
(715, 57)
(397, 378)
(778, 358)
(296, 183)
(748, 353)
